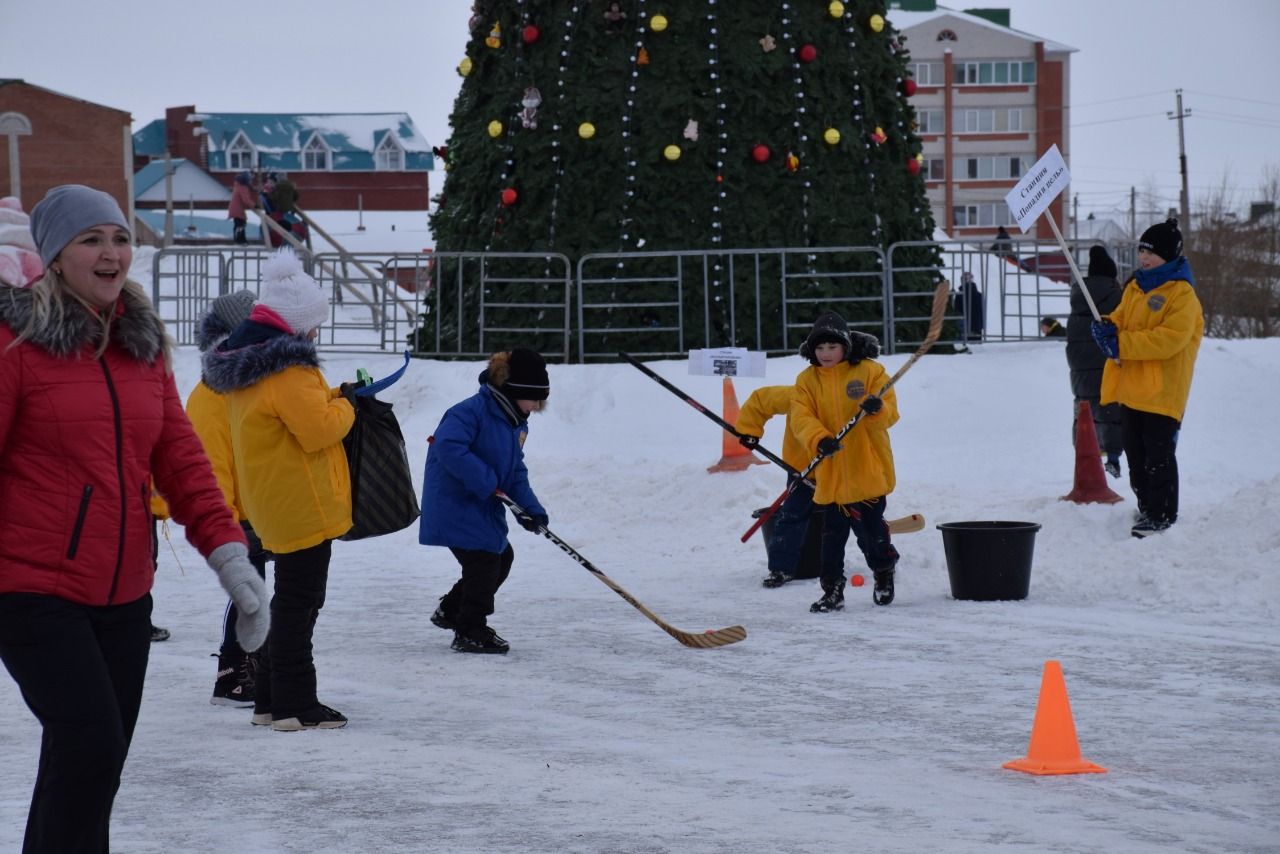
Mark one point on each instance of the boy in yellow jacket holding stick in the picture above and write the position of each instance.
(842, 379)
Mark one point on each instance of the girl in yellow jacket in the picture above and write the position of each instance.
(859, 474)
(1151, 340)
(287, 427)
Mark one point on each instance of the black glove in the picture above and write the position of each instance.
(871, 404)
(751, 442)
(348, 390)
(828, 446)
(534, 522)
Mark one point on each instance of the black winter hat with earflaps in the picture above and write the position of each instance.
(830, 328)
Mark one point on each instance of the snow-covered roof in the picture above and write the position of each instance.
(192, 180)
(341, 132)
(903, 20)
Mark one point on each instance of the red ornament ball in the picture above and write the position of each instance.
(509, 196)
(913, 166)
(807, 53)
(857, 580)
(760, 153)
(530, 34)
(908, 87)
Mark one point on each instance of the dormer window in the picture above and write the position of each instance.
(947, 36)
(240, 154)
(315, 155)
(389, 157)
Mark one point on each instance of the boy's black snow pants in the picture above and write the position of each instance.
(1150, 443)
(470, 601)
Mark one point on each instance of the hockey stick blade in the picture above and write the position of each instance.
(906, 524)
(709, 639)
(939, 308)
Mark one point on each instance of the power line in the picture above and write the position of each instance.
(1235, 98)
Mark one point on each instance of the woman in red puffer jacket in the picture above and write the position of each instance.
(89, 415)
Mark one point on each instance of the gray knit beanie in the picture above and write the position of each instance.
(66, 211)
(233, 308)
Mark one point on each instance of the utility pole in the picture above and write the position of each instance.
(168, 199)
(1182, 163)
(1133, 212)
(1075, 217)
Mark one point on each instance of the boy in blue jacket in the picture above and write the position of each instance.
(475, 452)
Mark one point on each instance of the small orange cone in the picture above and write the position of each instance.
(1053, 748)
(733, 456)
(1090, 485)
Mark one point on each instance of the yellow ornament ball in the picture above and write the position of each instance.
(876, 23)
(464, 67)
(495, 128)
(836, 9)
(831, 135)
(658, 23)
(586, 130)
(671, 152)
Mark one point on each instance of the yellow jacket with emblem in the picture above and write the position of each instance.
(763, 404)
(1159, 331)
(286, 427)
(825, 400)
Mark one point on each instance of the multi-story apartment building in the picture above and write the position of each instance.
(990, 100)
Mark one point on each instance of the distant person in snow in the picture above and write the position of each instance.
(1003, 246)
(287, 426)
(242, 201)
(969, 304)
(1051, 328)
(477, 450)
(1151, 341)
(843, 379)
(89, 416)
(1084, 359)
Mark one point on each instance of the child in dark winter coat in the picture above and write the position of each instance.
(478, 450)
(1085, 360)
(842, 380)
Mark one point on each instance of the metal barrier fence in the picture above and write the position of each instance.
(463, 305)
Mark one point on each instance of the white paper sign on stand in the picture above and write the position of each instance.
(727, 362)
(1040, 186)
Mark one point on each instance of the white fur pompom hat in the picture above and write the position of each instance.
(293, 295)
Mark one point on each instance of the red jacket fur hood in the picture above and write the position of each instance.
(80, 440)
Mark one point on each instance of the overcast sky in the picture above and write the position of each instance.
(400, 55)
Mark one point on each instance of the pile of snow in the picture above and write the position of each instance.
(877, 729)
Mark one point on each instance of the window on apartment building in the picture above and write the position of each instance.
(927, 73)
(930, 121)
(389, 157)
(994, 72)
(240, 155)
(937, 170)
(315, 156)
(983, 214)
(985, 168)
(987, 120)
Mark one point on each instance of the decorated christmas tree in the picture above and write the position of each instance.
(628, 126)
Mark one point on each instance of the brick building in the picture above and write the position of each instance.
(52, 138)
(990, 100)
(338, 161)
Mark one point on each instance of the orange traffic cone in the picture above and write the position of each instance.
(733, 456)
(1053, 748)
(1090, 485)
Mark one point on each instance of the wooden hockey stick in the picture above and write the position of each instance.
(940, 295)
(906, 524)
(706, 640)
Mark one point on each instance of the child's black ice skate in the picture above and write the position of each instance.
(775, 579)
(235, 685)
(832, 598)
(883, 592)
(443, 618)
(481, 640)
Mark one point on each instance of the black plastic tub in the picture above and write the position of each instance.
(987, 561)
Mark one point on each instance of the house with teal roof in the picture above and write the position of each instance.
(338, 161)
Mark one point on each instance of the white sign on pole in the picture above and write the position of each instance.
(1040, 186)
(727, 362)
